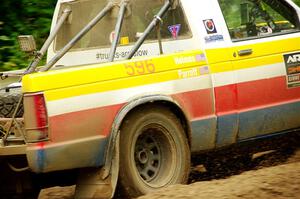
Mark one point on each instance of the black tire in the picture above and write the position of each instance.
(9, 101)
(154, 152)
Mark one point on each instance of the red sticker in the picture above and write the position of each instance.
(210, 26)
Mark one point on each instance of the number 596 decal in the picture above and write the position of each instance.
(140, 67)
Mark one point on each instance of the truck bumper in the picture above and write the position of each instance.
(46, 156)
(13, 150)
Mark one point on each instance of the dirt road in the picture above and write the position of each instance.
(272, 174)
(282, 181)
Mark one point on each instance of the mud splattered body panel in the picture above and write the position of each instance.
(229, 90)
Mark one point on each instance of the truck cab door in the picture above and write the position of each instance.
(265, 54)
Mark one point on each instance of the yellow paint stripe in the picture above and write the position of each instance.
(274, 48)
(95, 78)
(260, 61)
(266, 53)
(110, 85)
(220, 67)
(217, 55)
(268, 48)
(103, 72)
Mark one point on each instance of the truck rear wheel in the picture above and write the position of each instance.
(154, 152)
(8, 103)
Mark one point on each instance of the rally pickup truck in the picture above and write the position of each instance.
(132, 88)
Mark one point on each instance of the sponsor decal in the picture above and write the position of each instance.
(210, 26)
(204, 70)
(292, 65)
(213, 38)
(121, 55)
(140, 67)
(174, 30)
(200, 57)
(182, 74)
(194, 72)
(184, 60)
(189, 59)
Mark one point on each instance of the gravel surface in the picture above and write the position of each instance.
(269, 174)
(282, 181)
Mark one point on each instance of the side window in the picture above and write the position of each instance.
(248, 19)
(137, 18)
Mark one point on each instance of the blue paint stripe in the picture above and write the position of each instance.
(203, 134)
(40, 160)
(269, 120)
(229, 129)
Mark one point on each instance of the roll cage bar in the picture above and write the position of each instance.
(123, 4)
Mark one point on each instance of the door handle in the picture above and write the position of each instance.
(245, 52)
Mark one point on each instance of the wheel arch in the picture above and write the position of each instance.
(137, 103)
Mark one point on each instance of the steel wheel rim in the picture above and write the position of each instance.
(150, 152)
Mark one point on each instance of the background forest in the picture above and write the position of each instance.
(17, 17)
(24, 17)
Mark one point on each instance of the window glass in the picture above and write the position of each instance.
(138, 16)
(258, 18)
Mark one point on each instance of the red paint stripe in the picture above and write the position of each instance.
(276, 92)
(254, 95)
(226, 99)
(82, 124)
(41, 145)
(197, 104)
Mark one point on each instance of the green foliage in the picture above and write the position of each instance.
(297, 2)
(22, 17)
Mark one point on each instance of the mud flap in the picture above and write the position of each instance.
(91, 183)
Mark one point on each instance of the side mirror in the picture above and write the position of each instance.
(245, 15)
(27, 43)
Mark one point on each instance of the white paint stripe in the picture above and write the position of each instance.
(249, 74)
(224, 78)
(97, 100)
(262, 72)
